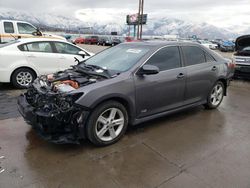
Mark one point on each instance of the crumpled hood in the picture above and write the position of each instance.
(242, 42)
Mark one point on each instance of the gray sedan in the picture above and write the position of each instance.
(124, 85)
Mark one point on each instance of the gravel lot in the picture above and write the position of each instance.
(194, 148)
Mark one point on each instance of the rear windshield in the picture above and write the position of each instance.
(9, 43)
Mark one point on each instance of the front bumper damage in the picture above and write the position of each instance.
(62, 128)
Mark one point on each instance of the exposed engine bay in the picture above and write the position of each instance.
(50, 101)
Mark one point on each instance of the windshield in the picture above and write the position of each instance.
(120, 58)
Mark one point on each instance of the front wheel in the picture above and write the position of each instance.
(215, 96)
(107, 123)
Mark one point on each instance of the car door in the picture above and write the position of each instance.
(202, 71)
(9, 33)
(162, 91)
(41, 56)
(67, 54)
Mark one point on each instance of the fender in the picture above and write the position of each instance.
(125, 100)
(22, 65)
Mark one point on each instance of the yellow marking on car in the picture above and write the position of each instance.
(25, 36)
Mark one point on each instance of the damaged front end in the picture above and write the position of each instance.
(49, 106)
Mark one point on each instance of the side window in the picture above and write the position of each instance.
(65, 48)
(166, 58)
(37, 47)
(193, 55)
(8, 27)
(209, 58)
(24, 28)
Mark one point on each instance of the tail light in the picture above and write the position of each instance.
(231, 65)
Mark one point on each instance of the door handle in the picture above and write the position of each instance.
(181, 75)
(214, 68)
(31, 56)
(62, 57)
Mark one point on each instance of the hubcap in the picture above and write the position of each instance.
(217, 95)
(24, 78)
(109, 124)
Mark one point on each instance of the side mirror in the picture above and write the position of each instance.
(148, 70)
(82, 53)
(37, 33)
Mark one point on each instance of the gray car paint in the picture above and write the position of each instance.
(150, 96)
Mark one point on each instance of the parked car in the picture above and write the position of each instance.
(226, 46)
(79, 40)
(208, 44)
(242, 56)
(21, 61)
(91, 40)
(125, 85)
(109, 41)
(12, 29)
(116, 41)
(104, 41)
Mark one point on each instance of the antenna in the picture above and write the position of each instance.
(14, 37)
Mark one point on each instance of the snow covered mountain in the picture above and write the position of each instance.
(160, 26)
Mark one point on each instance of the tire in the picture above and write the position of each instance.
(215, 96)
(101, 127)
(22, 75)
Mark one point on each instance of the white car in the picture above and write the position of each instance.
(21, 61)
(208, 44)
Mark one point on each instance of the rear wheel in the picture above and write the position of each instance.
(107, 123)
(215, 96)
(22, 78)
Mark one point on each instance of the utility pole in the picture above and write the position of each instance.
(142, 7)
(140, 19)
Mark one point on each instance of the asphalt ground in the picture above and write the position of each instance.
(193, 148)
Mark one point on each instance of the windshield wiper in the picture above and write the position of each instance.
(95, 67)
(87, 71)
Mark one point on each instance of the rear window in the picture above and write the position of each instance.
(37, 47)
(9, 43)
(193, 55)
(8, 27)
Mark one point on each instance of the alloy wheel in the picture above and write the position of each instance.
(109, 124)
(24, 78)
(216, 95)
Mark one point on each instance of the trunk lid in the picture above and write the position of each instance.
(242, 45)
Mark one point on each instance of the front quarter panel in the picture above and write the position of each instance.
(121, 87)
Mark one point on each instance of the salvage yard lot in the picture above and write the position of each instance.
(194, 148)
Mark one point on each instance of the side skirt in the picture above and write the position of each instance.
(144, 119)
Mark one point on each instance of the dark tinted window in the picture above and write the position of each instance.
(8, 27)
(166, 58)
(193, 55)
(209, 58)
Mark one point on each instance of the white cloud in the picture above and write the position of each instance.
(224, 13)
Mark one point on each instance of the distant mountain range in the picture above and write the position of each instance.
(161, 26)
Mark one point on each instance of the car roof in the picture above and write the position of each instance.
(39, 39)
(156, 43)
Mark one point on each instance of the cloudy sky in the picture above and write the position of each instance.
(223, 13)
